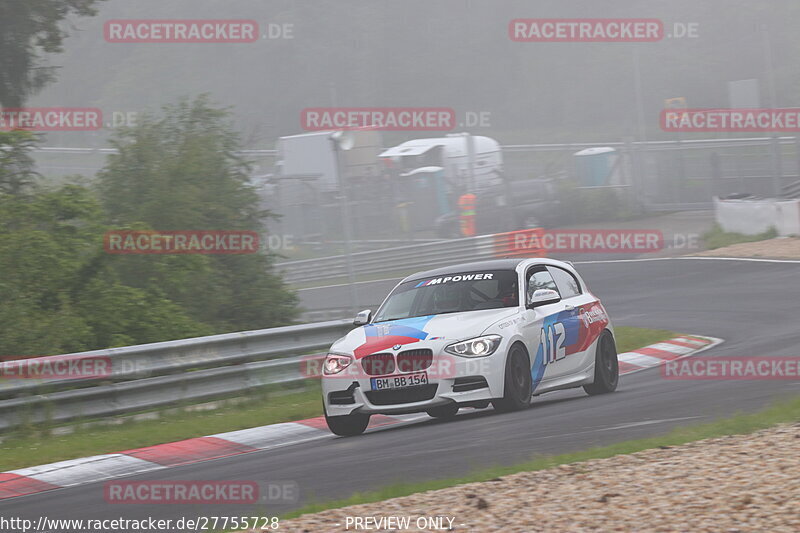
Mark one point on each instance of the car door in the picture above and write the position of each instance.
(543, 328)
(578, 339)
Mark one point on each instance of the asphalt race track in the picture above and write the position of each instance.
(752, 305)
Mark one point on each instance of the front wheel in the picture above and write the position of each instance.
(518, 383)
(347, 425)
(606, 366)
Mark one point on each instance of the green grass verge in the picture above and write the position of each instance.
(629, 339)
(785, 411)
(35, 445)
(717, 238)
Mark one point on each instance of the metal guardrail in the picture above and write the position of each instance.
(160, 374)
(107, 151)
(792, 190)
(542, 147)
(404, 258)
(162, 358)
(151, 393)
(375, 261)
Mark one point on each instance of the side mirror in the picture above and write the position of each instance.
(542, 297)
(363, 317)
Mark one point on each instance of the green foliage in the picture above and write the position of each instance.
(16, 165)
(27, 29)
(62, 292)
(180, 171)
(121, 315)
(592, 205)
(718, 238)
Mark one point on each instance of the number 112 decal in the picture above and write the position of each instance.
(552, 341)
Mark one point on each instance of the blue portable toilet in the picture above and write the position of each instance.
(595, 166)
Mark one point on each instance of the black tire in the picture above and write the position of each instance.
(518, 382)
(347, 425)
(444, 411)
(606, 366)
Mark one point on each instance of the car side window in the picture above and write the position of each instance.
(539, 278)
(568, 285)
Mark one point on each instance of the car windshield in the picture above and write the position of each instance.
(451, 293)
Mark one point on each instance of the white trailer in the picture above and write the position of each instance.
(471, 162)
(313, 154)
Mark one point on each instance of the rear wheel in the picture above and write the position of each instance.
(347, 425)
(444, 411)
(518, 383)
(606, 366)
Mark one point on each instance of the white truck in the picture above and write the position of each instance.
(470, 162)
(410, 189)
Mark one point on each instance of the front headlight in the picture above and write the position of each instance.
(477, 347)
(335, 363)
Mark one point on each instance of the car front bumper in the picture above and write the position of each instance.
(465, 381)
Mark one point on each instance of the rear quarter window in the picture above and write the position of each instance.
(568, 285)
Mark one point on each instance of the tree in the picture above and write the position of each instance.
(17, 172)
(28, 29)
(181, 171)
(59, 290)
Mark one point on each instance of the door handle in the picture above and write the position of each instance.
(569, 307)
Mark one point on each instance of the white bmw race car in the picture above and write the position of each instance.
(498, 332)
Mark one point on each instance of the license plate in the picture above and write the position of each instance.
(398, 382)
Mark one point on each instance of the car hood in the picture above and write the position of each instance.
(438, 329)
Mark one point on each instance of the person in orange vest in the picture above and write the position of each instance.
(466, 205)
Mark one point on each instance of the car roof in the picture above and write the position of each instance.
(491, 264)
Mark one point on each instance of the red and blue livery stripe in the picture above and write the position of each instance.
(385, 335)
